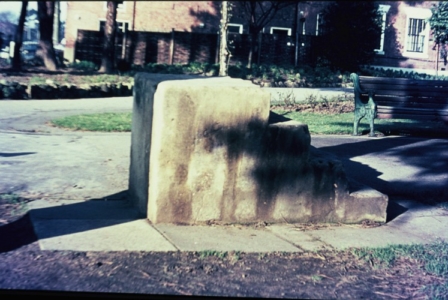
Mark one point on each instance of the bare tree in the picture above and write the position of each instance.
(258, 14)
(45, 13)
(16, 61)
(223, 51)
(57, 22)
(108, 58)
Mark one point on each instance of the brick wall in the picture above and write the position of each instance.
(395, 38)
(150, 47)
(152, 16)
(155, 47)
(187, 16)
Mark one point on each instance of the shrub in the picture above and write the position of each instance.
(84, 65)
(380, 72)
(194, 68)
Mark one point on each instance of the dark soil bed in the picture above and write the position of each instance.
(330, 107)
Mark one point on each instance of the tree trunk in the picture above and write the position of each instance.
(108, 58)
(57, 22)
(45, 12)
(16, 61)
(223, 53)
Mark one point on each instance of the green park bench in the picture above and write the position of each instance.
(398, 98)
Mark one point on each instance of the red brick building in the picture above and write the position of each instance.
(406, 41)
(155, 16)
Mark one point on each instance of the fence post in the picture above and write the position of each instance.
(123, 44)
(217, 48)
(171, 58)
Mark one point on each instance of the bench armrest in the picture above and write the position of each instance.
(358, 91)
(367, 109)
(355, 78)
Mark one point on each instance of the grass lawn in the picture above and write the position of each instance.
(342, 123)
(433, 258)
(318, 123)
(106, 122)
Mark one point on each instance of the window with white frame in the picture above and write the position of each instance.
(416, 35)
(121, 26)
(383, 10)
(319, 24)
(234, 28)
(417, 32)
(234, 32)
(280, 30)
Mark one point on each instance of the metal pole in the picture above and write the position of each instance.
(171, 56)
(437, 61)
(296, 42)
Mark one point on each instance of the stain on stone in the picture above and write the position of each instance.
(280, 151)
(238, 139)
(181, 174)
(203, 182)
(323, 189)
(179, 193)
(280, 166)
(233, 139)
(212, 137)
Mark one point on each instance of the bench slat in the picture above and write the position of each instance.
(408, 91)
(417, 102)
(399, 98)
(416, 106)
(411, 117)
(428, 83)
(410, 86)
(401, 81)
(410, 110)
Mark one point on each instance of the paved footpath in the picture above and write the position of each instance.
(80, 178)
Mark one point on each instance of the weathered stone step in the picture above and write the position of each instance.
(207, 150)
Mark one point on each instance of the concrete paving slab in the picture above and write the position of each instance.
(299, 238)
(95, 225)
(345, 237)
(420, 210)
(224, 238)
(97, 165)
(100, 235)
(428, 228)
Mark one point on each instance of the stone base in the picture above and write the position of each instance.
(203, 150)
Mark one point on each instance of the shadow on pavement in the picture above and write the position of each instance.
(394, 210)
(418, 168)
(4, 154)
(17, 234)
(108, 211)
